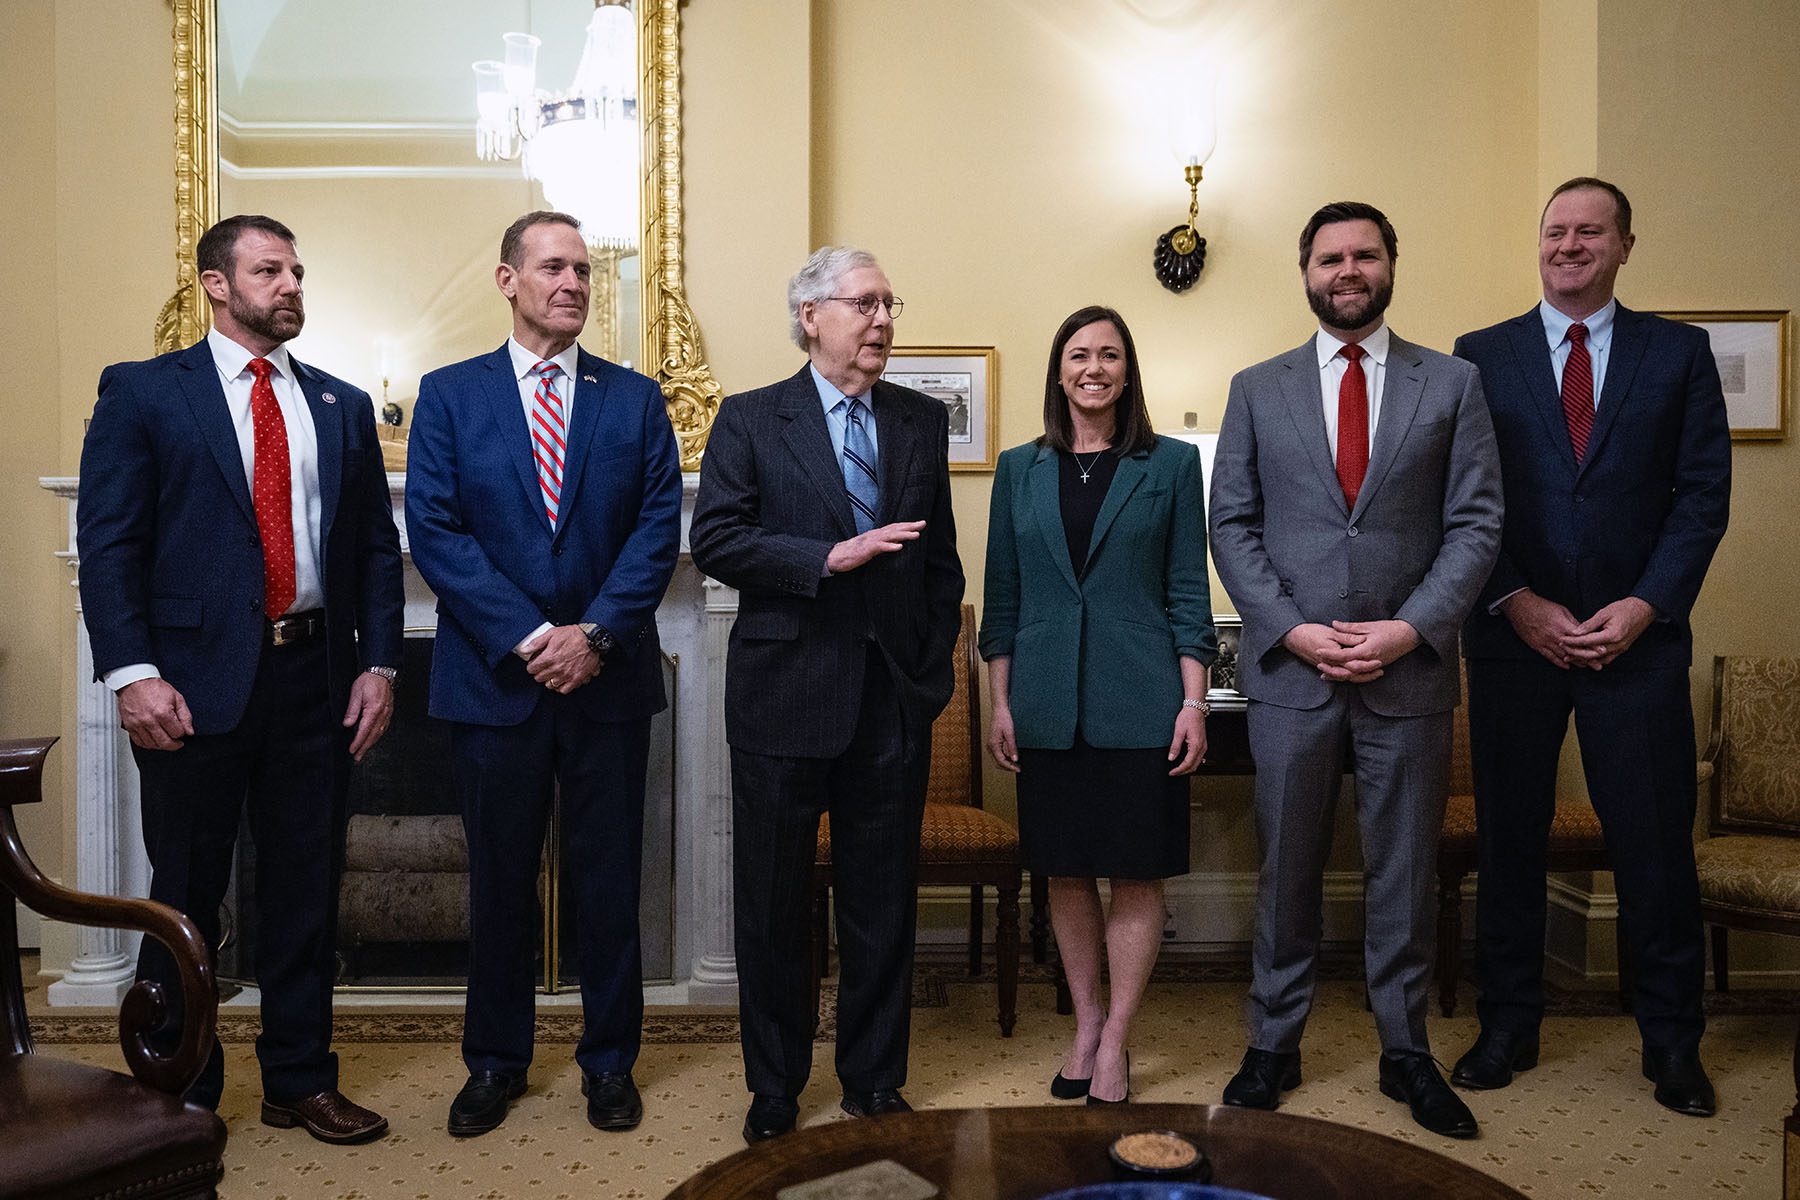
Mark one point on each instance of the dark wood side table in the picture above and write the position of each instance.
(1025, 1153)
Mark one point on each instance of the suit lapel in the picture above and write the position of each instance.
(1306, 406)
(206, 399)
(1400, 395)
(589, 395)
(509, 416)
(896, 438)
(1628, 342)
(1046, 506)
(328, 426)
(1531, 349)
(1131, 472)
(809, 441)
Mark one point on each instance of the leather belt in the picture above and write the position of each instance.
(296, 627)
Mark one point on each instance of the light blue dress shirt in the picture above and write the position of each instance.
(1599, 341)
(837, 417)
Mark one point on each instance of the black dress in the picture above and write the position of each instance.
(1087, 811)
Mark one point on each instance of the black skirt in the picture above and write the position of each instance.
(1099, 813)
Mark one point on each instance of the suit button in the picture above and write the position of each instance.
(1568, 560)
(1343, 592)
(556, 551)
(1352, 531)
(255, 605)
(1580, 499)
(253, 540)
(546, 614)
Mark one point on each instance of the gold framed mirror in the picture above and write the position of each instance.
(640, 301)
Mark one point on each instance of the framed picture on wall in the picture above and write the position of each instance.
(1751, 349)
(966, 379)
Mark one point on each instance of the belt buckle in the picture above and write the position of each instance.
(286, 630)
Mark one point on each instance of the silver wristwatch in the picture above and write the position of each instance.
(391, 674)
(1199, 706)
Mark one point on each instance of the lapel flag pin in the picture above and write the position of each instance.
(328, 398)
(589, 379)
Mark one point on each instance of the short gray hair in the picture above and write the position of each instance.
(819, 279)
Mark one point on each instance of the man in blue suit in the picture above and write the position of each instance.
(1616, 455)
(543, 504)
(240, 582)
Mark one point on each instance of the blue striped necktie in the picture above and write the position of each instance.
(859, 466)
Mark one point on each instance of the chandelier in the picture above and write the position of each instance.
(581, 144)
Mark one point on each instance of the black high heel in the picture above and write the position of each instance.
(1126, 1098)
(1063, 1088)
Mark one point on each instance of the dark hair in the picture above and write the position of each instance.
(1623, 219)
(1348, 210)
(512, 242)
(1132, 431)
(217, 248)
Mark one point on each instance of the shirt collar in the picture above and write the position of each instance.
(233, 360)
(1599, 324)
(829, 392)
(1375, 345)
(523, 360)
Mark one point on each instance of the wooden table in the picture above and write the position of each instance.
(1025, 1153)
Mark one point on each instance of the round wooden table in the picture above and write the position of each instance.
(1025, 1153)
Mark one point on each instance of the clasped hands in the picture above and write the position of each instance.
(1552, 630)
(561, 659)
(1351, 651)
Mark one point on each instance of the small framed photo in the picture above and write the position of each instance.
(1751, 349)
(967, 380)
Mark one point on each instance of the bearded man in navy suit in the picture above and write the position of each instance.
(543, 504)
(240, 582)
(1616, 455)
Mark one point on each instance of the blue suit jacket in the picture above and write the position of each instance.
(171, 564)
(1643, 511)
(480, 537)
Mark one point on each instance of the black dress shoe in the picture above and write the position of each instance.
(1262, 1077)
(1064, 1088)
(1491, 1061)
(878, 1103)
(1414, 1078)
(613, 1101)
(770, 1116)
(482, 1103)
(1093, 1099)
(1681, 1082)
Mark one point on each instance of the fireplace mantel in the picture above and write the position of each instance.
(694, 621)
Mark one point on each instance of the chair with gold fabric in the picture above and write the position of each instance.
(1576, 844)
(73, 1130)
(959, 844)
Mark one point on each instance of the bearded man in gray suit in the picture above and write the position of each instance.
(1356, 511)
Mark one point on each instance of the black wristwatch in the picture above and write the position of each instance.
(599, 638)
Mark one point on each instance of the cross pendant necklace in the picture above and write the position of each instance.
(1089, 467)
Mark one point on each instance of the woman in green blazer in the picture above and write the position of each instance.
(1097, 631)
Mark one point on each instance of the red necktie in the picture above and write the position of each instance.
(271, 491)
(1578, 390)
(549, 434)
(1353, 425)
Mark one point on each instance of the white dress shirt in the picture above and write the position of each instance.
(233, 364)
(1332, 366)
(1599, 341)
(522, 361)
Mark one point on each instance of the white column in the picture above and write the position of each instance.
(714, 976)
(103, 967)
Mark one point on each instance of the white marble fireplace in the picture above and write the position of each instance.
(694, 620)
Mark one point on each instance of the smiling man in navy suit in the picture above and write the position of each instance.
(543, 504)
(1616, 455)
(240, 582)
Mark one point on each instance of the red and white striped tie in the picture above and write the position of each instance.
(549, 436)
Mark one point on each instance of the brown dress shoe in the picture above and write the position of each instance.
(328, 1116)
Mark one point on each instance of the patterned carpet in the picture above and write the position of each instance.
(1581, 1125)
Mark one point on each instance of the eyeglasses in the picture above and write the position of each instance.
(866, 304)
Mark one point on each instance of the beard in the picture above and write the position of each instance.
(279, 322)
(1351, 312)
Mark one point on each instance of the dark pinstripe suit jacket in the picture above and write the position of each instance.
(771, 506)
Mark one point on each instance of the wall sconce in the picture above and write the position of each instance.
(1193, 132)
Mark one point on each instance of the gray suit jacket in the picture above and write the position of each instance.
(1418, 546)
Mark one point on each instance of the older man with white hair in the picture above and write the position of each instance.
(825, 500)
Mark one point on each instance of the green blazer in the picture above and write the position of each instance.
(1100, 653)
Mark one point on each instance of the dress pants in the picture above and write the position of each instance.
(875, 793)
(1636, 731)
(286, 764)
(506, 777)
(1402, 769)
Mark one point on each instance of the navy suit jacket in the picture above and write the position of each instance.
(479, 535)
(771, 506)
(171, 563)
(1643, 511)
